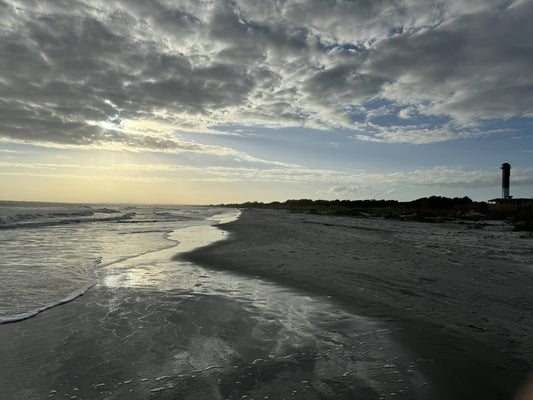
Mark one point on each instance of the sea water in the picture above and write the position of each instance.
(151, 326)
(50, 253)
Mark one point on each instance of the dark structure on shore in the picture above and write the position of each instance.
(507, 201)
(506, 177)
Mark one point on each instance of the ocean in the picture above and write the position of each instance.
(95, 305)
(52, 253)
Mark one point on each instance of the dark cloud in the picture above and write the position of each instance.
(342, 83)
(72, 70)
(37, 125)
(480, 63)
(201, 89)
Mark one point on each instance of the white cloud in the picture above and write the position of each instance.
(127, 73)
(94, 178)
(417, 135)
(351, 184)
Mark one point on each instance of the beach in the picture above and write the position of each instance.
(204, 303)
(151, 325)
(456, 295)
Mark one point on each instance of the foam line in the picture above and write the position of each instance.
(30, 314)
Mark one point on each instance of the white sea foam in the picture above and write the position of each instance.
(29, 314)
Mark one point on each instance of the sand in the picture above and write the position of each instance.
(458, 296)
(292, 306)
(157, 328)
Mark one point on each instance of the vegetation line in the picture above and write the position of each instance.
(426, 209)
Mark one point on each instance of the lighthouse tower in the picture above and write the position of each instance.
(506, 174)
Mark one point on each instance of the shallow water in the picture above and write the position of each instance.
(50, 253)
(157, 328)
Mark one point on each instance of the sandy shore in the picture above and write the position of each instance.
(157, 328)
(458, 296)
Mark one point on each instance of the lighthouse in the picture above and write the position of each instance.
(506, 174)
(507, 203)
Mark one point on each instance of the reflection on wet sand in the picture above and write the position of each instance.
(254, 337)
(154, 328)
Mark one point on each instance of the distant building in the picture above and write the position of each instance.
(506, 178)
(507, 201)
(518, 202)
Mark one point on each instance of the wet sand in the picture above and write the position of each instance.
(458, 296)
(157, 328)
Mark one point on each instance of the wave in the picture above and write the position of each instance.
(148, 231)
(105, 211)
(11, 213)
(67, 299)
(30, 314)
(67, 221)
(5, 219)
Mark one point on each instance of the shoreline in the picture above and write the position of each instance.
(194, 235)
(456, 298)
(156, 328)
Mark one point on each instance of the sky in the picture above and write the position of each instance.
(207, 102)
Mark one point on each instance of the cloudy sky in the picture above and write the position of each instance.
(201, 102)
